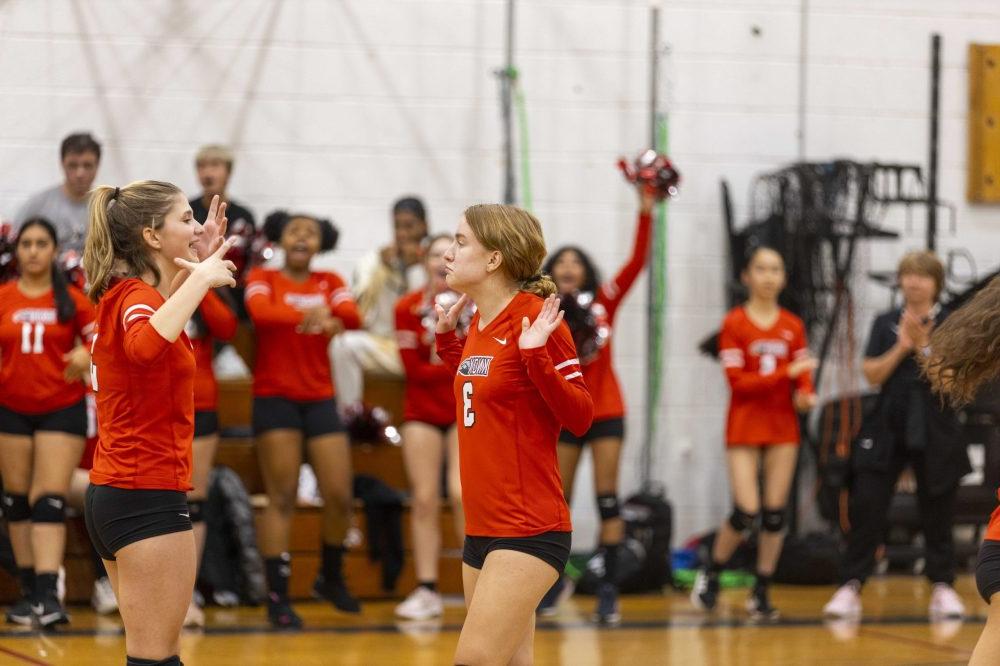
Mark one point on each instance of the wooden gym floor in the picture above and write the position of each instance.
(655, 630)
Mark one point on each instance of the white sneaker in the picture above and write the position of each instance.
(61, 586)
(945, 602)
(195, 616)
(846, 602)
(422, 604)
(103, 597)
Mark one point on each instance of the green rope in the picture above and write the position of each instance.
(658, 273)
(524, 152)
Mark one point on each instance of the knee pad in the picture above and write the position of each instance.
(196, 510)
(773, 520)
(49, 509)
(740, 520)
(16, 508)
(608, 506)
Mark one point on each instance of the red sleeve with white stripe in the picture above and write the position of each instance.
(800, 348)
(143, 344)
(408, 330)
(342, 305)
(555, 371)
(732, 355)
(612, 293)
(264, 307)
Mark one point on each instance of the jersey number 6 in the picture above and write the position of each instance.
(468, 416)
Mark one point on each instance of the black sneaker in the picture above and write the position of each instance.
(280, 613)
(759, 605)
(336, 593)
(607, 605)
(21, 613)
(550, 602)
(705, 593)
(49, 612)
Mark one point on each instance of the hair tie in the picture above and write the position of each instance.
(114, 197)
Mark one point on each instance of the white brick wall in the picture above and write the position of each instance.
(340, 107)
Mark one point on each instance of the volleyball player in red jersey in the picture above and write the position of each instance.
(518, 383)
(295, 311)
(590, 312)
(429, 435)
(44, 327)
(141, 258)
(961, 359)
(764, 353)
(214, 320)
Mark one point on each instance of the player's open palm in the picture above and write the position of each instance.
(447, 321)
(536, 333)
(213, 229)
(216, 269)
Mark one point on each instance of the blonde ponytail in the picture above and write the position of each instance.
(115, 246)
(517, 235)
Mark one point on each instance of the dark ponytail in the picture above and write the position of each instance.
(65, 306)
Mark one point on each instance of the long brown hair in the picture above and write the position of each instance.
(115, 246)
(964, 351)
(517, 235)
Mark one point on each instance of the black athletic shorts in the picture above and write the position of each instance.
(117, 517)
(988, 569)
(206, 423)
(550, 547)
(313, 418)
(598, 430)
(71, 420)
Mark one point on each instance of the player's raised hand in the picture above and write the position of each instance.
(213, 229)
(536, 333)
(215, 269)
(447, 321)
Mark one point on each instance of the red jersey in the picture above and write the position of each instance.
(511, 405)
(598, 371)
(993, 530)
(32, 344)
(429, 394)
(291, 364)
(145, 394)
(756, 362)
(218, 322)
(87, 459)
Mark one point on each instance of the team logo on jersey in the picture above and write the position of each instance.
(35, 316)
(475, 366)
(305, 301)
(776, 348)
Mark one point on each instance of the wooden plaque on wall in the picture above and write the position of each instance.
(983, 181)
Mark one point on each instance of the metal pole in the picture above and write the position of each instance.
(932, 167)
(803, 55)
(506, 110)
(651, 311)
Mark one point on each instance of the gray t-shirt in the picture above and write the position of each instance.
(68, 217)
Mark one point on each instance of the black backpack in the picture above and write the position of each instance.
(644, 557)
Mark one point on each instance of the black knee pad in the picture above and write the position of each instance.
(740, 520)
(196, 510)
(773, 520)
(49, 509)
(608, 506)
(16, 508)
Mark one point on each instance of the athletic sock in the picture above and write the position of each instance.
(611, 562)
(278, 570)
(45, 585)
(27, 578)
(333, 563)
(429, 585)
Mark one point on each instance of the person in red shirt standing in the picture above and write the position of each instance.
(764, 353)
(518, 383)
(141, 259)
(961, 359)
(295, 311)
(45, 326)
(430, 438)
(590, 312)
(214, 320)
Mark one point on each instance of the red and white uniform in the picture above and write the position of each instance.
(290, 364)
(761, 410)
(32, 344)
(145, 394)
(219, 324)
(993, 530)
(598, 372)
(511, 405)
(429, 394)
